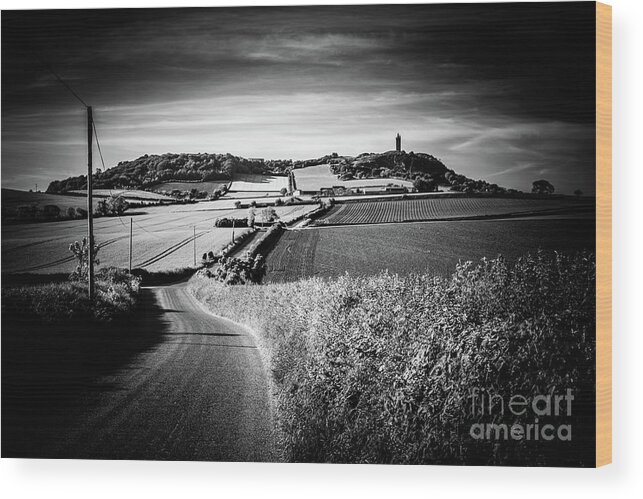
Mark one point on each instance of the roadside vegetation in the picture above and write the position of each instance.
(378, 369)
(116, 297)
(116, 293)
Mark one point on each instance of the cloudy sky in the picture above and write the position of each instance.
(499, 92)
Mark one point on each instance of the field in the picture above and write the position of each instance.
(251, 195)
(407, 210)
(225, 208)
(11, 199)
(435, 247)
(209, 187)
(163, 238)
(313, 178)
(129, 194)
(260, 183)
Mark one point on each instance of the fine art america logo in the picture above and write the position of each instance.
(528, 410)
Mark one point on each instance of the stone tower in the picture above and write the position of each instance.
(398, 143)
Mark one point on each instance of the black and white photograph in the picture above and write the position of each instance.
(357, 234)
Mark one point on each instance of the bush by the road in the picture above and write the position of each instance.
(116, 294)
(379, 369)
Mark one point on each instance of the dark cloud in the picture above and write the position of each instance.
(502, 91)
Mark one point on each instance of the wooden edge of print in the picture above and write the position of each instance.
(603, 234)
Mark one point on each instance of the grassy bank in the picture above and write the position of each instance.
(379, 369)
(57, 302)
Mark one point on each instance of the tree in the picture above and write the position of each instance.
(81, 252)
(244, 270)
(424, 185)
(269, 215)
(283, 191)
(118, 205)
(251, 217)
(102, 208)
(542, 187)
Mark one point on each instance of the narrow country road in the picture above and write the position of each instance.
(176, 384)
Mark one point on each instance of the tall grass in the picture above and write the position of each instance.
(116, 295)
(379, 369)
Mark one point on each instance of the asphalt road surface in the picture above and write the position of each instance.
(175, 384)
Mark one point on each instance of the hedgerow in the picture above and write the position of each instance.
(379, 369)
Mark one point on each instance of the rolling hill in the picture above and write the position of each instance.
(150, 171)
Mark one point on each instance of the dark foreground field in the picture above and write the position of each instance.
(435, 247)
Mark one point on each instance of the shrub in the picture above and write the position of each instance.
(163, 277)
(379, 369)
(230, 222)
(232, 271)
(265, 243)
(116, 294)
(81, 252)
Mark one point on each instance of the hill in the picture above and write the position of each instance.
(149, 171)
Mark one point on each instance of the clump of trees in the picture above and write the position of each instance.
(231, 222)
(460, 183)
(425, 184)
(269, 215)
(48, 212)
(233, 271)
(542, 187)
(113, 206)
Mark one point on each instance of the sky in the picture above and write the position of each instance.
(501, 92)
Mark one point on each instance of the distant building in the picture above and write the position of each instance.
(398, 143)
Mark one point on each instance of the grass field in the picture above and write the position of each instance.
(251, 195)
(11, 199)
(313, 178)
(435, 247)
(225, 208)
(129, 194)
(440, 208)
(209, 187)
(260, 183)
(163, 238)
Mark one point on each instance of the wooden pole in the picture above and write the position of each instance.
(90, 207)
(233, 230)
(194, 245)
(131, 232)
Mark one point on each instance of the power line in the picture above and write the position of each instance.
(100, 152)
(65, 84)
(145, 230)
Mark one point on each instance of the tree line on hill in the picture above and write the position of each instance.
(424, 170)
(149, 170)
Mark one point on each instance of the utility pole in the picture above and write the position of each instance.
(90, 207)
(130, 245)
(233, 230)
(194, 245)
